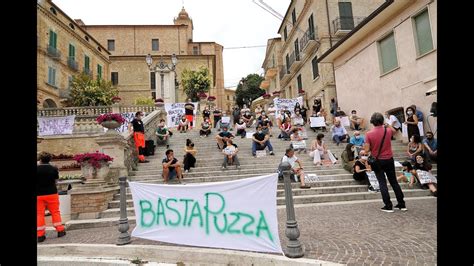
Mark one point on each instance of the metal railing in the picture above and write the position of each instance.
(283, 71)
(346, 23)
(53, 52)
(308, 36)
(292, 59)
(72, 63)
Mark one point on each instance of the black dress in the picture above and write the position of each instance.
(362, 175)
(412, 129)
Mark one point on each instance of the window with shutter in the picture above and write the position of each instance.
(423, 38)
(388, 53)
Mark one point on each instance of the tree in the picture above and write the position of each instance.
(249, 88)
(144, 101)
(195, 82)
(86, 91)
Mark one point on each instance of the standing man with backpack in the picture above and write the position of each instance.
(139, 136)
(189, 112)
(377, 141)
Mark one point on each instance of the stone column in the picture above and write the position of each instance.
(113, 144)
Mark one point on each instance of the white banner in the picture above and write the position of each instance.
(61, 125)
(239, 214)
(317, 121)
(175, 111)
(405, 129)
(426, 177)
(289, 104)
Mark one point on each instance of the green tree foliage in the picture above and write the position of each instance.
(86, 91)
(249, 88)
(144, 101)
(195, 82)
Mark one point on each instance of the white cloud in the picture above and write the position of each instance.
(231, 23)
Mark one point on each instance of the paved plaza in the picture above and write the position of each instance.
(354, 233)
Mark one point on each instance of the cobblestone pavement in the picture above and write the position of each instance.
(354, 234)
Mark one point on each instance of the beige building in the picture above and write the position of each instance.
(64, 49)
(390, 62)
(308, 30)
(230, 99)
(270, 64)
(130, 44)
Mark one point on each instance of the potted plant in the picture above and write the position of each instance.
(110, 121)
(276, 93)
(202, 95)
(266, 96)
(116, 99)
(159, 102)
(211, 98)
(94, 165)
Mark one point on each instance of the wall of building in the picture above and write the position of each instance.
(360, 84)
(68, 144)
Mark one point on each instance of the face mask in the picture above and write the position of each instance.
(419, 161)
(247, 113)
(260, 132)
(263, 113)
(409, 113)
(297, 113)
(241, 121)
(364, 157)
(357, 137)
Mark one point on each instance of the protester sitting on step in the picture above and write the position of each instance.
(189, 156)
(339, 133)
(407, 175)
(244, 110)
(261, 141)
(236, 114)
(258, 112)
(224, 121)
(183, 124)
(296, 166)
(171, 167)
(415, 147)
(222, 137)
(285, 129)
(162, 134)
(205, 130)
(266, 124)
(412, 123)
(241, 126)
(295, 137)
(348, 159)
(47, 196)
(421, 164)
(297, 119)
(358, 142)
(248, 119)
(206, 113)
(319, 151)
(430, 146)
(361, 167)
(357, 122)
(230, 155)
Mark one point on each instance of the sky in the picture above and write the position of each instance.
(231, 23)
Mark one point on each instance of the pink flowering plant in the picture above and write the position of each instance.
(94, 158)
(110, 117)
(116, 99)
(211, 98)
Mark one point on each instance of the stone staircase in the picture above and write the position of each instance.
(335, 185)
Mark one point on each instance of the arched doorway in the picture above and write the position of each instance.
(48, 103)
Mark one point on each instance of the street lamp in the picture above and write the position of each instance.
(161, 67)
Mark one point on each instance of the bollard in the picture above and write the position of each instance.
(293, 248)
(124, 237)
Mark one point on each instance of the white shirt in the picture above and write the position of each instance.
(392, 119)
(297, 119)
(291, 160)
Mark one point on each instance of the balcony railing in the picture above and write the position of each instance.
(72, 63)
(54, 52)
(292, 59)
(345, 24)
(307, 37)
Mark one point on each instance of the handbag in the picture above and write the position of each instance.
(373, 161)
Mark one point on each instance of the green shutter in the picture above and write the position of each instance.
(423, 33)
(54, 77)
(72, 51)
(50, 75)
(52, 38)
(86, 63)
(388, 53)
(99, 71)
(345, 13)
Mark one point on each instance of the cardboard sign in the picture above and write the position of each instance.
(311, 178)
(398, 164)
(317, 122)
(426, 177)
(225, 119)
(49, 126)
(298, 144)
(261, 153)
(373, 180)
(345, 121)
(249, 135)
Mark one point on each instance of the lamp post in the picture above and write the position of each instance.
(162, 68)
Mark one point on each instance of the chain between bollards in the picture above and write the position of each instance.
(293, 248)
(124, 237)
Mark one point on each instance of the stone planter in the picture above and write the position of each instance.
(111, 125)
(89, 172)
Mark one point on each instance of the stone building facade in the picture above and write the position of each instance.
(130, 44)
(64, 49)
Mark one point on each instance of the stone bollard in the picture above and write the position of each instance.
(293, 248)
(124, 237)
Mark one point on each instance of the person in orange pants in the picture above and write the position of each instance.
(189, 112)
(139, 136)
(47, 197)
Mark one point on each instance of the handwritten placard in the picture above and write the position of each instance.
(311, 178)
(225, 119)
(345, 121)
(405, 129)
(175, 111)
(426, 177)
(298, 144)
(373, 180)
(317, 121)
(50, 126)
(289, 104)
(261, 153)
